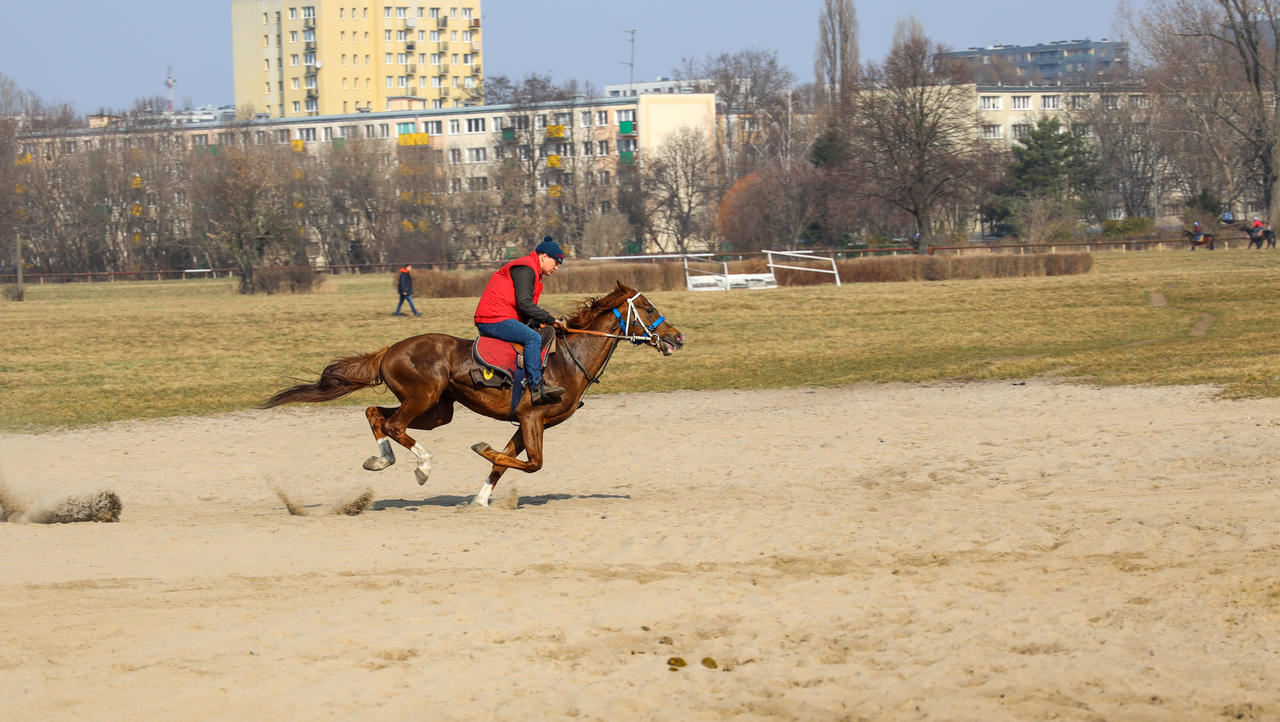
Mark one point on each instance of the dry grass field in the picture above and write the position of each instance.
(77, 354)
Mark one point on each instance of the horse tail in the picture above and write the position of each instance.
(341, 377)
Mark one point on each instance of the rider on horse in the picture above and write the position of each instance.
(1197, 233)
(509, 304)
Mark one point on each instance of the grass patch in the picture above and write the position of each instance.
(82, 354)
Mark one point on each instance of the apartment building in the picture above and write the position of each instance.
(1078, 61)
(329, 58)
(590, 144)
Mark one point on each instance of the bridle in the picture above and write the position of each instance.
(633, 317)
(649, 331)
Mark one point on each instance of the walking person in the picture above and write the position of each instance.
(508, 308)
(404, 284)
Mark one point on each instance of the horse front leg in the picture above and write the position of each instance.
(514, 447)
(531, 436)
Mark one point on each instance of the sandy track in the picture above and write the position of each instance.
(984, 551)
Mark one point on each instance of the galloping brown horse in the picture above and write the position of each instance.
(431, 372)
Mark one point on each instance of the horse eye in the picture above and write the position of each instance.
(651, 309)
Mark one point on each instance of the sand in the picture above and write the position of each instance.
(971, 552)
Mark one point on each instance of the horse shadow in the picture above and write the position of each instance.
(453, 500)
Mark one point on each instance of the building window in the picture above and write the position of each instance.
(455, 155)
(602, 117)
(293, 13)
(402, 128)
(1050, 102)
(293, 60)
(308, 11)
(1021, 102)
(454, 127)
(991, 132)
(390, 82)
(477, 155)
(588, 148)
(602, 147)
(297, 107)
(293, 36)
(1079, 102)
(478, 184)
(293, 83)
(991, 102)
(605, 178)
(475, 125)
(1139, 101)
(1111, 102)
(1020, 130)
(625, 115)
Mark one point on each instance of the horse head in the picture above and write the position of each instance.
(637, 316)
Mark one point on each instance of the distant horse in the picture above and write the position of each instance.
(431, 372)
(1206, 239)
(1258, 235)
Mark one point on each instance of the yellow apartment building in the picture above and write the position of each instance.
(331, 57)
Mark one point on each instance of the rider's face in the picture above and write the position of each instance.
(549, 264)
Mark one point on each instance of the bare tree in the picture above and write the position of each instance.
(913, 136)
(753, 94)
(241, 200)
(835, 65)
(681, 191)
(1218, 60)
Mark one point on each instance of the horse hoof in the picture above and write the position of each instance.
(480, 448)
(422, 475)
(378, 463)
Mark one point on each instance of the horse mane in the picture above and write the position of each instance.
(589, 309)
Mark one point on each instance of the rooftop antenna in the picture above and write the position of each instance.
(631, 66)
(169, 82)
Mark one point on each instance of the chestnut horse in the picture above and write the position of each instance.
(1206, 239)
(431, 372)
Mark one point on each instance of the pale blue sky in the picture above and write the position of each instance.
(94, 54)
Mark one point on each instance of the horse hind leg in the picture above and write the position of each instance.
(376, 416)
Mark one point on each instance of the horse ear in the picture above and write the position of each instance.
(620, 287)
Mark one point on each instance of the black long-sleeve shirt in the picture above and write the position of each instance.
(522, 279)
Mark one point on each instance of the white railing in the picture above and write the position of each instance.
(808, 256)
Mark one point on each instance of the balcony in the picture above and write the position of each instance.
(410, 45)
(475, 70)
(309, 23)
(475, 22)
(442, 22)
(309, 46)
(411, 69)
(442, 46)
(509, 135)
(443, 69)
(627, 157)
(627, 127)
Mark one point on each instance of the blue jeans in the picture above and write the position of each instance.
(403, 298)
(515, 332)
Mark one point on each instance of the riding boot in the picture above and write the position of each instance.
(545, 393)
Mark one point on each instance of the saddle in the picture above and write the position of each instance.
(501, 363)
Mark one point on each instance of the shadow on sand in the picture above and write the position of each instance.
(446, 500)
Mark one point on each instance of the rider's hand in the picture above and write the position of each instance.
(560, 324)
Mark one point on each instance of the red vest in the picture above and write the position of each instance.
(498, 301)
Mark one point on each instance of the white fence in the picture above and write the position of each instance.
(806, 255)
